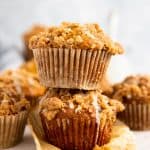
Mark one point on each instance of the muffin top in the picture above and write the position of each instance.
(33, 31)
(27, 83)
(76, 36)
(11, 101)
(29, 66)
(72, 103)
(133, 88)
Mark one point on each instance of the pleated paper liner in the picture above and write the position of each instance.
(69, 134)
(42, 144)
(136, 116)
(105, 131)
(71, 68)
(12, 129)
(121, 138)
(35, 121)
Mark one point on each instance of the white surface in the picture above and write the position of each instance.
(142, 141)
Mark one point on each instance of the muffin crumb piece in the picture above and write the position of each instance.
(76, 36)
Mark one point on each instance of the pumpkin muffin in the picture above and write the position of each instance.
(74, 119)
(28, 54)
(134, 92)
(13, 115)
(29, 66)
(73, 55)
(26, 82)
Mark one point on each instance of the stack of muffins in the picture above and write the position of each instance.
(72, 59)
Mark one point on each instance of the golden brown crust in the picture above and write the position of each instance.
(133, 89)
(76, 36)
(60, 102)
(11, 101)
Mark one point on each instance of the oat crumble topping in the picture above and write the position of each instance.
(11, 101)
(90, 102)
(133, 88)
(76, 36)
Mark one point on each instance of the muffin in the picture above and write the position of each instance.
(29, 66)
(27, 84)
(74, 119)
(72, 55)
(134, 92)
(13, 115)
(106, 86)
(28, 54)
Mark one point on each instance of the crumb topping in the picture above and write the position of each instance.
(27, 83)
(33, 31)
(11, 101)
(77, 102)
(133, 88)
(77, 36)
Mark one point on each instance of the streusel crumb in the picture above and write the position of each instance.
(133, 88)
(85, 102)
(76, 36)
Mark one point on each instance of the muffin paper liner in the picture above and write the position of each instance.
(69, 134)
(136, 116)
(71, 68)
(35, 121)
(121, 136)
(12, 129)
(105, 133)
(77, 133)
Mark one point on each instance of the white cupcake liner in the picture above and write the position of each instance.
(71, 68)
(12, 129)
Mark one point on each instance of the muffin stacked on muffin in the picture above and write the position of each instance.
(73, 58)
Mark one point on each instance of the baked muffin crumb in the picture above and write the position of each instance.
(77, 102)
(133, 89)
(11, 101)
(77, 36)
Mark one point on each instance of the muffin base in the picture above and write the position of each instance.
(71, 68)
(136, 116)
(65, 133)
(12, 129)
(121, 138)
(77, 133)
